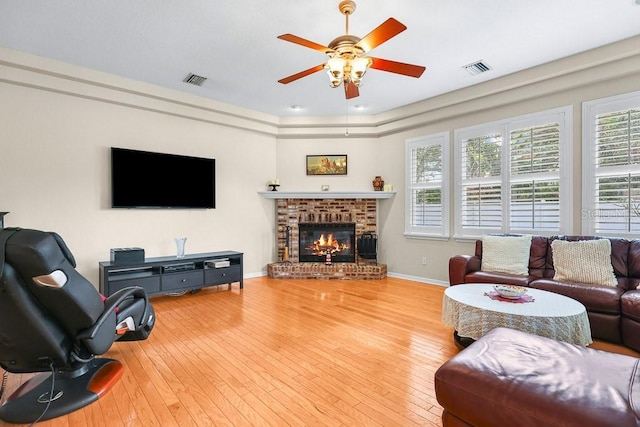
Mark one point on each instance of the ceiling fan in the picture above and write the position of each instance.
(348, 61)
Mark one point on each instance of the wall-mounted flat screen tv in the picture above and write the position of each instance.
(143, 179)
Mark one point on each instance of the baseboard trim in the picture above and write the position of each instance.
(419, 279)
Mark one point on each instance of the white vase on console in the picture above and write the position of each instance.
(180, 243)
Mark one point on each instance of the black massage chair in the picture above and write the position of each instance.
(55, 323)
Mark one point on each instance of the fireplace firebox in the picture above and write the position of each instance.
(315, 240)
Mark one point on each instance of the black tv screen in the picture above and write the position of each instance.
(143, 179)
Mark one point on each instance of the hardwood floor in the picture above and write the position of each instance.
(283, 352)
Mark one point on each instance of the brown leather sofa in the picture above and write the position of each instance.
(511, 378)
(614, 312)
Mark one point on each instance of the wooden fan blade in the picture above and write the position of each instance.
(301, 74)
(351, 90)
(306, 43)
(397, 67)
(386, 30)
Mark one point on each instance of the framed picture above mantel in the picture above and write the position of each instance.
(327, 164)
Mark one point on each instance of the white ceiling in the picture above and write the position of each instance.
(233, 43)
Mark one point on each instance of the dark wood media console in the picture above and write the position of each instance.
(169, 275)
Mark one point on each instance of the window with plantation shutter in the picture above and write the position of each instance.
(510, 175)
(481, 188)
(535, 178)
(611, 192)
(427, 199)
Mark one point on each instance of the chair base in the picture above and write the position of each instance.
(72, 390)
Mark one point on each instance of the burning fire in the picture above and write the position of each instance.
(327, 244)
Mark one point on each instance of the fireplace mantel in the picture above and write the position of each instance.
(327, 194)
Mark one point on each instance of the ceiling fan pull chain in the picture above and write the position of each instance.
(346, 117)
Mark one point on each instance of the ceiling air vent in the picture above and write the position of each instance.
(194, 79)
(476, 68)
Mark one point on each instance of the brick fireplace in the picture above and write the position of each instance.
(291, 212)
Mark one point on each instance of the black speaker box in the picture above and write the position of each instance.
(127, 255)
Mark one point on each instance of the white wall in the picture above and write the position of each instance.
(402, 255)
(55, 175)
(595, 74)
(363, 159)
(58, 121)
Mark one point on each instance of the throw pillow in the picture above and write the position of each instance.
(583, 261)
(506, 254)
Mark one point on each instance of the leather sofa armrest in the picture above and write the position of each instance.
(460, 266)
(630, 304)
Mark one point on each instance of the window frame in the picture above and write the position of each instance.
(591, 109)
(504, 127)
(428, 232)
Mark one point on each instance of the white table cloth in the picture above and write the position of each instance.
(472, 314)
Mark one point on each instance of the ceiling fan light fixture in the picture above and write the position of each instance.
(358, 69)
(347, 62)
(333, 82)
(335, 69)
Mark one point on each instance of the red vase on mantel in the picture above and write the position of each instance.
(378, 183)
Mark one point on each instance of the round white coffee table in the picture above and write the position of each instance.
(472, 314)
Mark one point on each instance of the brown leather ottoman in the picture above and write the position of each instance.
(511, 378)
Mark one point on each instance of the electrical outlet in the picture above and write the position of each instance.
(424, 260)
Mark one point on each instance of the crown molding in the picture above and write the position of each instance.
(606, 63)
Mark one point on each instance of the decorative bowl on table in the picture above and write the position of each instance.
(510, 291)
